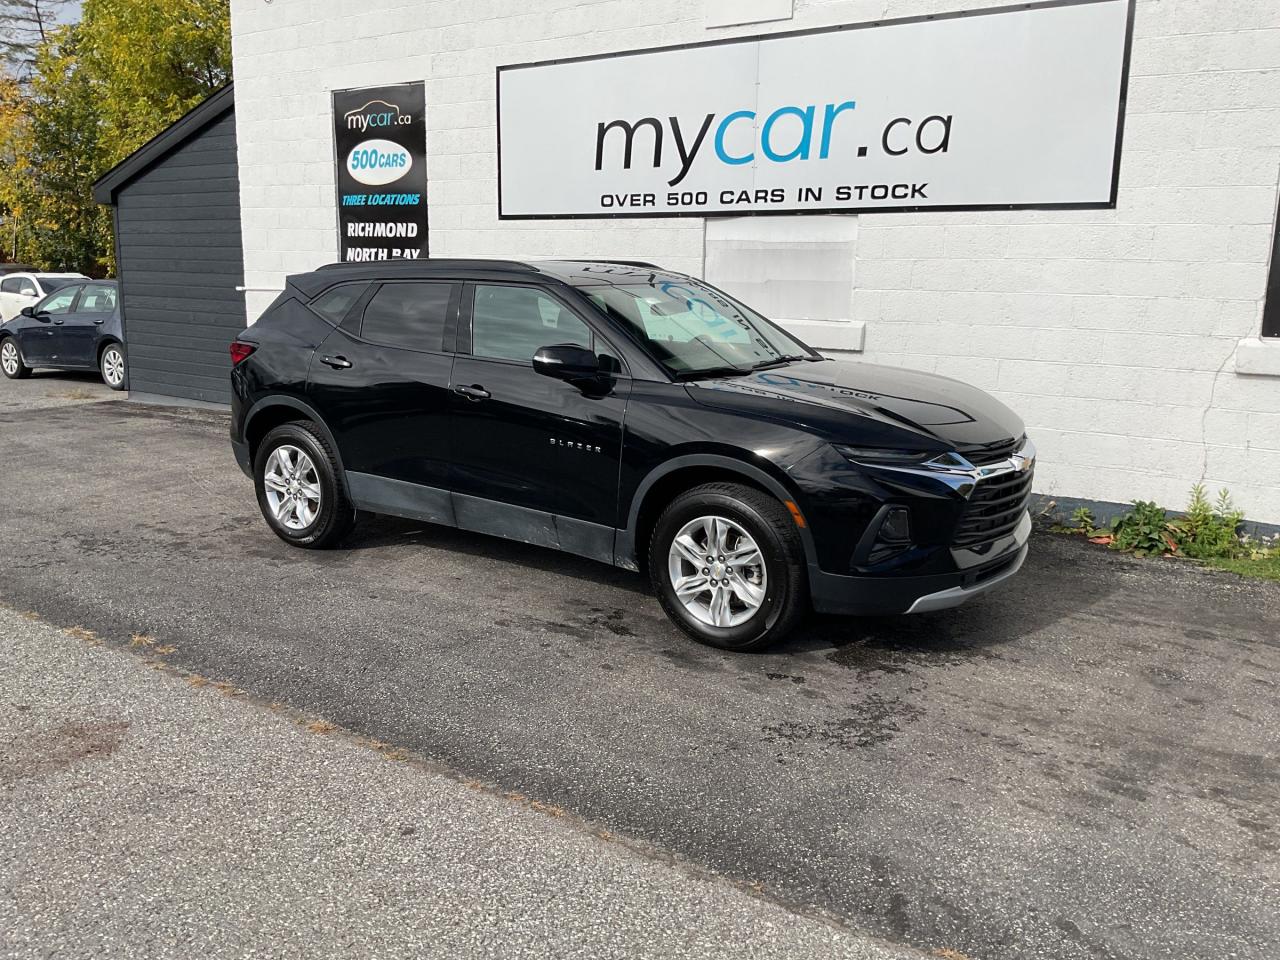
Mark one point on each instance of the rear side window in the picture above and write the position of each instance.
(97, 298)
(334, 303)
(513, 323)
(408, 315)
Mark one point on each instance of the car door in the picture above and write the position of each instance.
(76, 341)
(380, 381)
(546, 448)
(16, 291)
(38, 338)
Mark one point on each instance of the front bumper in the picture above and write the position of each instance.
(886, 596)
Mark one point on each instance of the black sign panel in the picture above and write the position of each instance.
(380, 141)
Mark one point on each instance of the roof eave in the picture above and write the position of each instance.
(173, 136)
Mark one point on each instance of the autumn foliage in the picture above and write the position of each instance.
(95, 92)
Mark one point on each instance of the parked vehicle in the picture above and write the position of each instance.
(635, 416)
(22, 288)
(76, 327)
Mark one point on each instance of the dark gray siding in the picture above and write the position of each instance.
(180, 261)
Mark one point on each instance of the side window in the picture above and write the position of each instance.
(20, 285)
(409, 315)
(334, 303)
(512, 323)
(97, 298)
(59, 302)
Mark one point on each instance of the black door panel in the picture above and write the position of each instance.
(526, 439)
(384, 390)
(41, 341)
(535, 441)
(387, 408)
(78, 339)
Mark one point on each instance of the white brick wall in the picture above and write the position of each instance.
(1112, 332)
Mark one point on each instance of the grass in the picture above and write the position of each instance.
(1263, 568)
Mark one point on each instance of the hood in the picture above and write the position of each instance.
(867, 404)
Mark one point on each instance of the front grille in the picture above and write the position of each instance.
(994, 509)
(989, 453)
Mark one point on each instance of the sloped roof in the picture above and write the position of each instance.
(167, 140)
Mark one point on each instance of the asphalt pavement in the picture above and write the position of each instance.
(1084, 764)
(150, 814)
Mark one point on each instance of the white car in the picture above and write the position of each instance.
(18, 290)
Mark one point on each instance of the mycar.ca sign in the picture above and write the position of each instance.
(380, 152)
(1005, 108)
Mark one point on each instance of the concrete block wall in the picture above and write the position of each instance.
(1114, 333)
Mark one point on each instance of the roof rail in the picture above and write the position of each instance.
(622, 263)
(472, 264)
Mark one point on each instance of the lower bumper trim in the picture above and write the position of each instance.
(945, 599)
(890, 596)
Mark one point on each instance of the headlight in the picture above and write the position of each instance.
(888, 456)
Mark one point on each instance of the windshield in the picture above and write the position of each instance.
(51, 284)
(694, 329)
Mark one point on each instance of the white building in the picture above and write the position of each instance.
(1129, 337)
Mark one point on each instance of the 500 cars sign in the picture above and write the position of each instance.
(381, 151)
(1017, 107)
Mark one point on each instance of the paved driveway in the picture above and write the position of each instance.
(1083, 765)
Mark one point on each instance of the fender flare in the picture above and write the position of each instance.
(625, 543)
(283, 400)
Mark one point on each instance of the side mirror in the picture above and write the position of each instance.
(567, 361)
(28, 312)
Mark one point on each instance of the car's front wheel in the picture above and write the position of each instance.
(728, 566)
(11, 360)
(112, 366)
(299, 491)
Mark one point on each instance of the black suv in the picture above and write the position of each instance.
(632, 415)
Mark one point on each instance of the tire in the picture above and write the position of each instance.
(11, 360)
(111, 364)
(316, 523)
(778, 583)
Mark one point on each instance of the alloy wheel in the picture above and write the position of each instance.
(292, 487)
(113, 366)
(9, 357)
(717, 571)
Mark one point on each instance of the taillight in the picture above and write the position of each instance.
(241, 351)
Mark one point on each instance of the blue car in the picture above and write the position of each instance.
(76, 327)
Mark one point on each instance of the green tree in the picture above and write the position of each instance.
(12, 116)
(97, 91)
(54, 160)
(152, 62)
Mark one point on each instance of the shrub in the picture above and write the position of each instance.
(1082, 519)
(1145, 531)
(1210, 531)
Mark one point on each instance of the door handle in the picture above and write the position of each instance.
(100, 322)
(338, 363)
(58, 323)
(473, 392)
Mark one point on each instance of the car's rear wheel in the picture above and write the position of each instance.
(11, 360)
(112, 366)
(728, 566)
(299, 491)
